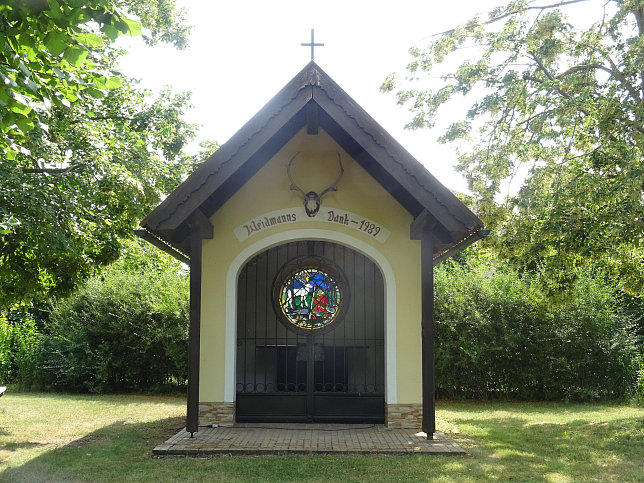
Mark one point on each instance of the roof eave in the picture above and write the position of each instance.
(371, 145)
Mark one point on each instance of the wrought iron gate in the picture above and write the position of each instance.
(288, 374)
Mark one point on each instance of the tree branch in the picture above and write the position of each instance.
(583, 67)
(536, 7)
(514, 12)
(617, 74)
(635, 125)
(102, 118)
(549, 75)
(639, 18)
(535, 116)
(50, 170)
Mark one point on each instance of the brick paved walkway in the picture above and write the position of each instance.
(305, 438)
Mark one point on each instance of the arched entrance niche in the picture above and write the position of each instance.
(343, 373)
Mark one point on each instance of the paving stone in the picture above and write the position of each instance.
(306, 438)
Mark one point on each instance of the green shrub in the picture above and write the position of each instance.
(125, 330)
(19, 341)
(499, 335)
(638, 389)
(5, 349)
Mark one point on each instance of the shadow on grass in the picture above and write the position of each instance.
(107, 454)
(22, 445)
(509, 448)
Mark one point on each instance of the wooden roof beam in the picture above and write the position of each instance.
(312, 122)
(162, 245)
(200, 223)
(462, 245)
(424, 219)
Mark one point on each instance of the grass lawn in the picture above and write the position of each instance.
(53, 437)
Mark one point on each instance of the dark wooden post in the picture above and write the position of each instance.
(427, 331)
(200, 228)
(422, 229)
(194, 334)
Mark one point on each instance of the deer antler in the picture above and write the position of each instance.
(312, 200)
(294, 186)
(334, 185)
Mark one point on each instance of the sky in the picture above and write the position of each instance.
(242, 53)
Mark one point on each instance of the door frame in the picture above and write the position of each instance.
(366, 249)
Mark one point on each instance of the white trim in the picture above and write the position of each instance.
(391, 392)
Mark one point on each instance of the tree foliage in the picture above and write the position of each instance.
(84, 153)
(559, 106)
(104, 172)
(53, 53)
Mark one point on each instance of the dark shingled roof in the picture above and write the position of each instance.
(313, 91)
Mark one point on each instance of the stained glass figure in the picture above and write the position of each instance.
(310, 299)
(309, 294)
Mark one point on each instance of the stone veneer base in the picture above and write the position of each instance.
(404, 416)
(397, 416)
(220, 413)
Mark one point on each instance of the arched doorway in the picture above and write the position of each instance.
(308, 368)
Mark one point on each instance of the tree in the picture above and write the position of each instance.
(84, 154)
(54, 53)
(103, 174)
(559, 107)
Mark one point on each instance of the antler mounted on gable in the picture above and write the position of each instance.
(312, 200)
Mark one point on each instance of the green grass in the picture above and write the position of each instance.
(53, 437)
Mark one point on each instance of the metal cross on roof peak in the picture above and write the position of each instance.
(313, 45)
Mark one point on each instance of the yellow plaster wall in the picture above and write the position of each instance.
(315, 168)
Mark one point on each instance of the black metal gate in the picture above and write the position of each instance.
(286, 375)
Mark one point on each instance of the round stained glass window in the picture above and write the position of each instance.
(310, 294)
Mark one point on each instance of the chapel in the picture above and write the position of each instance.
(311, 237)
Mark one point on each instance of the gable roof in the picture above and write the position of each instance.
(313, 99)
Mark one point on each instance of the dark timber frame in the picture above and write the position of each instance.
(313, 101)
(427, 329)
(200, 229)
